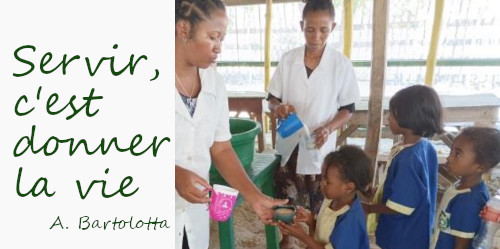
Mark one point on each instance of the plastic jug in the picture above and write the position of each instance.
(289, 126)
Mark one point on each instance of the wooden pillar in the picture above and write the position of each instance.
(379, 62)
(347, 28)
(436, 30)
(267, 44)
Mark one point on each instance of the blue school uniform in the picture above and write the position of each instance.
(410, 189)
(344, 228)
(458, 215)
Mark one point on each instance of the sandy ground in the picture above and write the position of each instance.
(249, 231)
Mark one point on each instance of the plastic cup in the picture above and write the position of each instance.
(223, 202)
(284, 213)
(289, 126)
(311, 141)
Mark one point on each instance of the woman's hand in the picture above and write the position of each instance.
(282, 111)
(263, 206)
(185, 184)
(322, 133)
(304, 215)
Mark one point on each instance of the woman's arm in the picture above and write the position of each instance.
(229, 166)
(323, 132)
(341, 118)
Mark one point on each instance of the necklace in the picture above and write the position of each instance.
(184, 89)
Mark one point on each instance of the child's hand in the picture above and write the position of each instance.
(303, 215)
(366, 207)
(483, 212)
(293, 229)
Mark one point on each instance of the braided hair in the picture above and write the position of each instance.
(195, 11)
(318, 5)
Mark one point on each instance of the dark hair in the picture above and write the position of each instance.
(418, 108)
(354, 166)
(195, 11)
(318, 5)
(486, 145)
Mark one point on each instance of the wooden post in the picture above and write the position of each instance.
(267, 44)
(347, 28)
(379, 62)
(436, 30)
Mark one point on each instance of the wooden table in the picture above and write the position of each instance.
(480, 109)
(250, 102)
(261, 173)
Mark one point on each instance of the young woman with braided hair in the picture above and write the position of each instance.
(202, 123)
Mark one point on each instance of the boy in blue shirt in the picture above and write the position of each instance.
(475, 151)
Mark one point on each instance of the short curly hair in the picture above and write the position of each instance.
(486, 145)
(354, 166)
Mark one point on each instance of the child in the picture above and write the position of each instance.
(341, 222)
(475, 151)
(406, 197)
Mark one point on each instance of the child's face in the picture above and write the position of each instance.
(317, 26)
(332, 184)
(204, 45)
(462, 159)
(393, 124)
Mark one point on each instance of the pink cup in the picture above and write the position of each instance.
(223, 202)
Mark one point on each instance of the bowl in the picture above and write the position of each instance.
(284, 213)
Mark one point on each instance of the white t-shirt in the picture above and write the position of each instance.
(316, 99)
(194, 136)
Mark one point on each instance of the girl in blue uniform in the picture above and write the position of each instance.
(474, 151)
(406, 196)
(341, 222)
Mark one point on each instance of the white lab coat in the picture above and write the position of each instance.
(194, 137)
(316, 99)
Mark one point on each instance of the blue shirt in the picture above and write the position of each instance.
(410, 189)
(459, 215)
(350, 229)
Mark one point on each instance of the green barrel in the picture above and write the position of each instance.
(243, 133)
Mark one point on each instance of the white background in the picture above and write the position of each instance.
(131, 105)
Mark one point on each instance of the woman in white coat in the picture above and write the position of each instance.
(318, 84)
(202, 123)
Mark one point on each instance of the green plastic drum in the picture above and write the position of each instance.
(243, 133)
